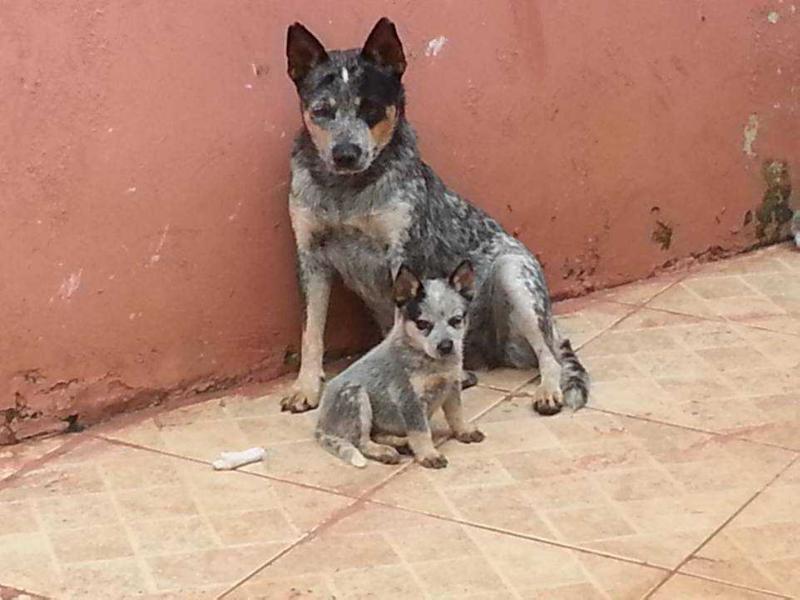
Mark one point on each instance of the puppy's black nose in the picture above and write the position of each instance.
(346, 155)
(445, 347)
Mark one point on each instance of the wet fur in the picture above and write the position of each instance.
(395, 210)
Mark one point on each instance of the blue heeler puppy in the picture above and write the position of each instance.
(385, 399)
(362, 200)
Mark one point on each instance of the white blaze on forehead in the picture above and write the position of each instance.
(345, 75)
(441, 300)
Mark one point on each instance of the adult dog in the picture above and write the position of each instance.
(362, 203)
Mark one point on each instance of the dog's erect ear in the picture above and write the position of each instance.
(303, 51)
(463, 279)
(407, 286)
(383, 47)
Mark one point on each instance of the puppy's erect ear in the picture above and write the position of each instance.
(407, 286)
(303, 51)
(463, 279)
(384, 49)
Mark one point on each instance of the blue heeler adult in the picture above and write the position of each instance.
(362, 203)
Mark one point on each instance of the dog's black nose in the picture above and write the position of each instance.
(445, 347)
(346, 155)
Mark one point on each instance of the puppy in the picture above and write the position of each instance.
(384, 400)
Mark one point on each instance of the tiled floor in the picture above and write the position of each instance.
(680, 480)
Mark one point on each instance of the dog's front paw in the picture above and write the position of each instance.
(301, 398)
(433, 461)
(548, 399)
(472, 436)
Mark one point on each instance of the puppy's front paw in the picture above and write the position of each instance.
(548, 399)
(472, 436)
(301, 398)
(433, 461)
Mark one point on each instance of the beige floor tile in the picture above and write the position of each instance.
(379, 552)
(140, 524)
(692, 588)
(760, 547)
(13, 458)
(713, 376)
(505, 379)
(641, 490)
(640, 292)
(204, 430)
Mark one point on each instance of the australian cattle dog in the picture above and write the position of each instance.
(384, 401)
(362, 201)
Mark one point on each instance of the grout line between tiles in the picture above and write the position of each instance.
(35, 463)
(716, 531)
(524, 536)
(334, 518)
(710, 318)
(18, 593)
(198, 461)
(634, 306)
(735, 585)
(691, 428)
(337, 516)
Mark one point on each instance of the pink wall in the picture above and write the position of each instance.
(145, 244)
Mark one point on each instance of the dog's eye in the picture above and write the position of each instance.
(323, 111)
(456, 321)
(371, 112)
(423, 325)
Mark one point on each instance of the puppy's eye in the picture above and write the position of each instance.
(323, 111)
(423, 325)
(456, 321)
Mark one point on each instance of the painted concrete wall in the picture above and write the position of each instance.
(145, 248)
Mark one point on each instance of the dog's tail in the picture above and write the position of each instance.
(342, 448)
(574, 377)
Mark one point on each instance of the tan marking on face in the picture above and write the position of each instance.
(321, 137)
(382, 131)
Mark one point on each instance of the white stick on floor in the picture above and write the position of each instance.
(233, 460)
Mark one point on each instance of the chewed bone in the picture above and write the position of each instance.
(233, 460)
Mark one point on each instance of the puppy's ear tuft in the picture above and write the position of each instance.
(462, 279)
(407, 286)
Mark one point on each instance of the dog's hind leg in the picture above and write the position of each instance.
(563, 379)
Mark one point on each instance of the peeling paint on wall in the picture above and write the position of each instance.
(774, 213)
(435, 46)
(70, 285)
(750, 135)
(662, 235)
(773, 17)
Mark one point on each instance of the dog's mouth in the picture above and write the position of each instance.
(345, 172)
(342, 170)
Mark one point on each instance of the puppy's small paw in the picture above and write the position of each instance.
(470, 437)
(434, 461)
(389, 456)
